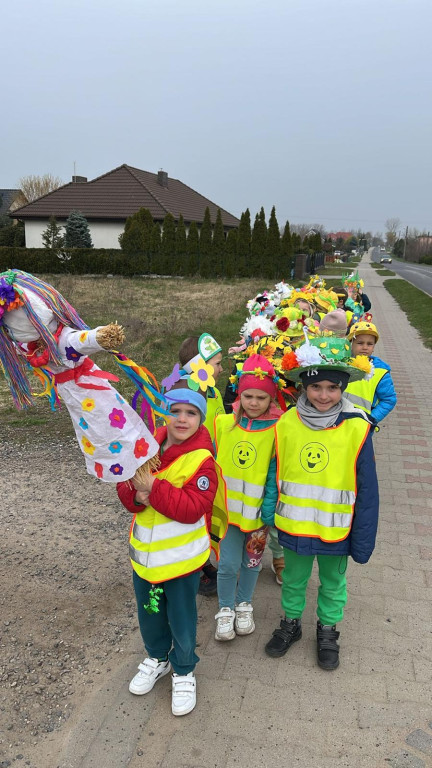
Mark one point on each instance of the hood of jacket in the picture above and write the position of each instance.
(378, 363)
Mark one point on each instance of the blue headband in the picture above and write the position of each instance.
(187, 395)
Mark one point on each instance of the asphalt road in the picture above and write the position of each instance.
(419, 275)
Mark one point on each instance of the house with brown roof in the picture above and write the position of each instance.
(108, 200)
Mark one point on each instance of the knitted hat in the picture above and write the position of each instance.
(181, 393)
(314, 376)
(363, 326)
(334, 321)
(258, 373)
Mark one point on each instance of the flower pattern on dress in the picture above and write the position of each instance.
(120, 399)
(88, 404)
(82, 423)
(115, 447)
(99, 470)
(117, 418)
(82, 337)
(88, 447)
(141, 448)
(116, 469)
(72, 354)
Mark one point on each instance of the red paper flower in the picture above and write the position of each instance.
(282, 324)
(141, 448)
(99, 470)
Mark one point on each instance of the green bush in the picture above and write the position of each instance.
(427, 259)
(78, 261)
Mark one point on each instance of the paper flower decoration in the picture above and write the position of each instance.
(289, 361)
(88, 447)
(308, 355)
(141, 448)
(202, 374)
(88, 404)
(117, 418)
(363, 363)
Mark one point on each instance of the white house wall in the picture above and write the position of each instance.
(103, 234)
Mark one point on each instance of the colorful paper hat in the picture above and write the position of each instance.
(290, 321)
(326, 352)
(353, 281)
(363, 326)
(327, 300)
(207, 348)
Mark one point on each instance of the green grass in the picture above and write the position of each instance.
(386, 272)
(416, 305)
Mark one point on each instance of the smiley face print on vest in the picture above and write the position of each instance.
(244, 454)
(314, 457)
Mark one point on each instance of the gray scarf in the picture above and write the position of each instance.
(316, 420)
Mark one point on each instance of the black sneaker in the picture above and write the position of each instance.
(328, 649)
(208, 585)
(288, 633)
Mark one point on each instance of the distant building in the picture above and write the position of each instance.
(339, 235)
(108, 200)
(10, 200)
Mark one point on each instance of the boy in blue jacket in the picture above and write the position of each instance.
(376, 396)
(328, 491)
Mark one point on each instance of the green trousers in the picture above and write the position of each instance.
(332, 592)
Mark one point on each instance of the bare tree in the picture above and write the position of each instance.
(393, 226)
(36, 186)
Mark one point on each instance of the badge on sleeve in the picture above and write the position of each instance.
(203, 483)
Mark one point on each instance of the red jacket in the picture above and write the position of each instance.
(189, 503)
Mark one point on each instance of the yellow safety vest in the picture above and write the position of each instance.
(361, 393)
(317, 477)
(244, 457)
(162, 549)
(215, 407)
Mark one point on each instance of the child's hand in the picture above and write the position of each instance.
(143, 484)
(142, 497)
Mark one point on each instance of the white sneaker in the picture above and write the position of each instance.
(244, 623)
(225, 624)
(183, 694)
(149, 673)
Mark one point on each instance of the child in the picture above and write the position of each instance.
(191, 349)
(328, 493)
(334, 322)
(245, 450)
(169, 543)
(376, 396)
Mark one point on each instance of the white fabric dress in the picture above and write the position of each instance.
(113, 438)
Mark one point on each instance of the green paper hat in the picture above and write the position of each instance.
(332, 353)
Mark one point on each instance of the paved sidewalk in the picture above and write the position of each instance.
(253, 711)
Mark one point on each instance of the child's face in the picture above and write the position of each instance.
(185, 423)
(363, 344)
(216, 363)
(323, 395)
(304, 306)
(255, 402)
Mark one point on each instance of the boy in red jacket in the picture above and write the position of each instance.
(169, 543)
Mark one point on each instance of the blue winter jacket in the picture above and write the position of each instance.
(385, 394)
(360, 541)
(271, 490)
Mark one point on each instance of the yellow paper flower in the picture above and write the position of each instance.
(83, 336)
(88, 404)
(88, 447)
(361, 362)
(203, 374)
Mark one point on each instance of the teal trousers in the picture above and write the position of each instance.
(332, 592)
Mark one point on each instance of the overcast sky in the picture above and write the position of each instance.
(320, 107)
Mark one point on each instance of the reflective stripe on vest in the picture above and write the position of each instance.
(160, 548)
(361, 393)
(244, 456)
(215, 407)
(317, 490)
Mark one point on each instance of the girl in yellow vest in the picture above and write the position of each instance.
(245, 449)
(376, 396)
(169, 543)
(207, 347)
(328, 492)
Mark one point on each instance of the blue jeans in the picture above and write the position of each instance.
(239, 559)
(172, 631)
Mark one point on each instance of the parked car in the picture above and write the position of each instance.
(386, 260)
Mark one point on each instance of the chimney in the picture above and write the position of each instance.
(79, 179)
(162, 178)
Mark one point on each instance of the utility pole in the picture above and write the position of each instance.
(405, 242)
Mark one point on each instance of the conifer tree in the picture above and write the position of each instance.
(155, 249)
(286, 252)
(180, 247)
(52, 237)
(258, 243)
(205, 243)
(231, 253)
(272, 266)
(218, 246)
(77, 231)
(244, 245)
(192, 247)
(168, 245)
(136, 238)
